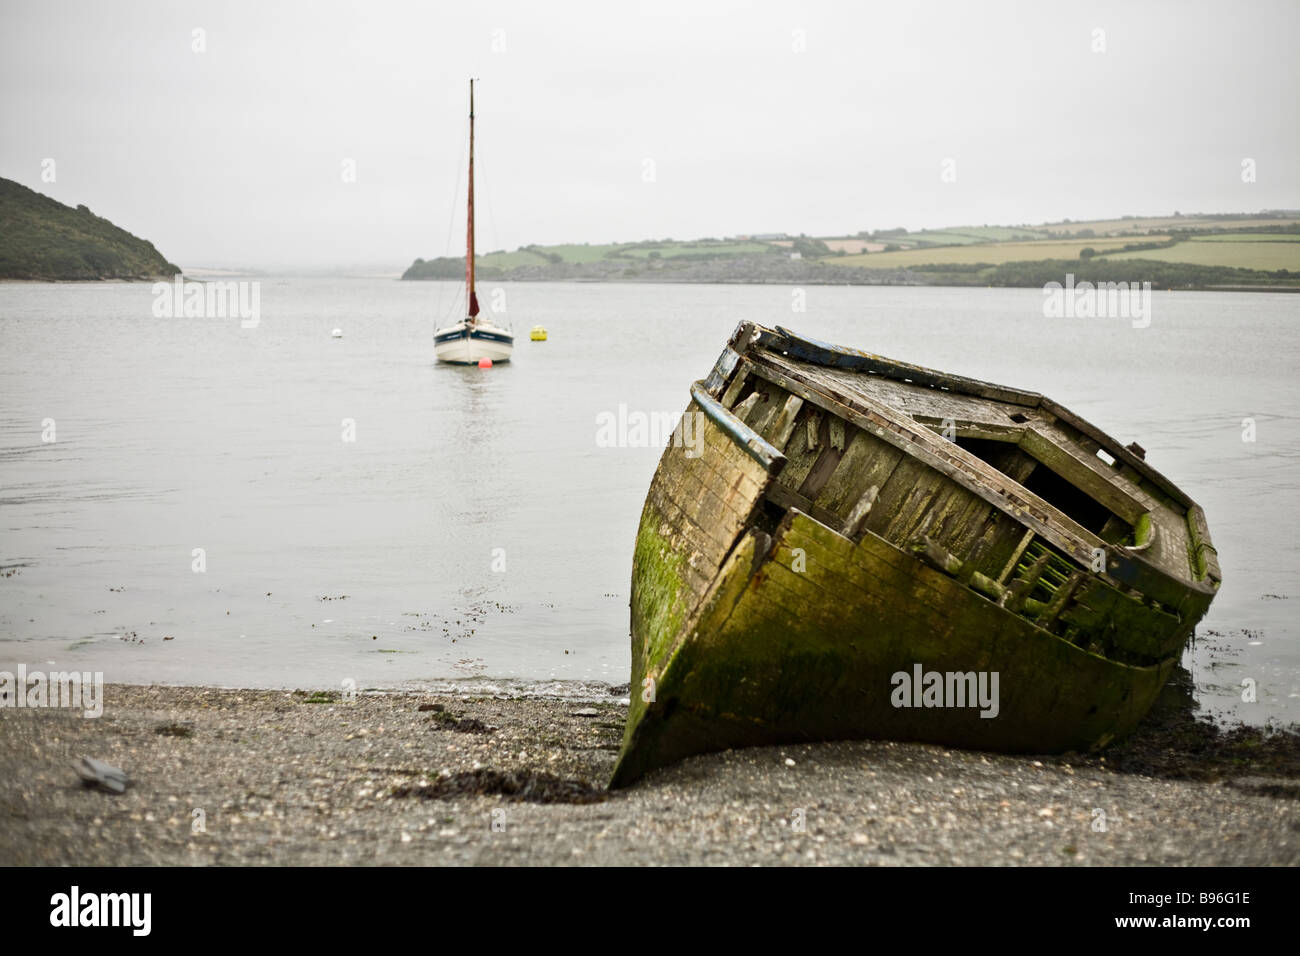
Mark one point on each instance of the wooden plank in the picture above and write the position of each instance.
(954, 510)
(1169, 545)
(971, 428)
(801, 458)
(684, 528)
(1027, 537)
(900, 509)
(782, 496)
(1202, 547)
(1020, 589)
(866, 461)
(976, 560)
(783, 424)
(760, 419)
(836, 433)
(824, 466)
(871, 563)
(822, 353)
(722, 370)
(969, 523)
(1088, 474)
(737, 385)
(709, 503)
(858, 516)
(839, 581)
(1116, 450)
(1061, 598)
(746, 407)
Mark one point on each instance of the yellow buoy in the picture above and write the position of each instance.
(538, 334)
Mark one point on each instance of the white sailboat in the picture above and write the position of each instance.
(476, 337)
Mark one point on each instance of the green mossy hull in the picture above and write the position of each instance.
(831, 532)
(810, 655)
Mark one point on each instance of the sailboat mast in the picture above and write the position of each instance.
(471, 298)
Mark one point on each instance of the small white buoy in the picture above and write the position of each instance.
(337, 333)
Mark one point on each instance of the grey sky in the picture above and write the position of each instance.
(233, 156)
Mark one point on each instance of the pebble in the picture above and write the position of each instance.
(286, 783)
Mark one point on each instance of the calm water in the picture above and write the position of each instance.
(374, 559)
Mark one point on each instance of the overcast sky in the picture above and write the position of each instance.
(798, 117)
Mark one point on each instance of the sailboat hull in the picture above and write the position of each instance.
(463, 345)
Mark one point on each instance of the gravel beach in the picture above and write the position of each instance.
(292, 777)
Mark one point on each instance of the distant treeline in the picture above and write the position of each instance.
(447, 267)
(1161, 275)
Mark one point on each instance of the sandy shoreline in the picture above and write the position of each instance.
(291, 777)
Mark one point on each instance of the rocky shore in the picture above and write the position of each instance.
(280, 777)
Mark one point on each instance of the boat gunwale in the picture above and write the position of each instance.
(749, 440)
(817, 352)
(1124, 565)
(1127, 560)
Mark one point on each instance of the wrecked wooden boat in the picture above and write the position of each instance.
(837, 545)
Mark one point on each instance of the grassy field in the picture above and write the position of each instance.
(1236, 251)
(1002, 233)
(696, 249)
(584, 252)
(1251, 237)
(942, 237)
(993, 253)
(1002, 248)
(1158, 224)
(509, 260)
(578, 254)
(967, 235)
(851, 245)
(538, 256)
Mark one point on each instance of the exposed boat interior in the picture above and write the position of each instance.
(1034, 507)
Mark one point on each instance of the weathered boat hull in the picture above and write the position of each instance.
(754, 622)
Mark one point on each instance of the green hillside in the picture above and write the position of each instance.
(1260, 250)
(44, 239)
